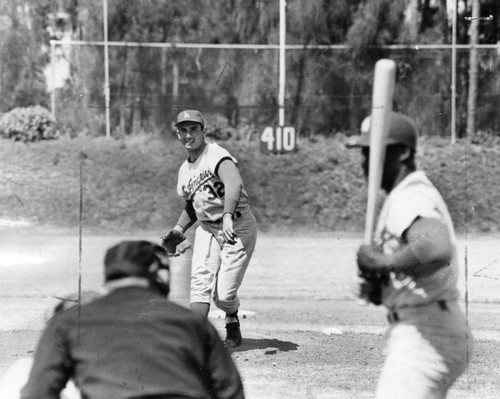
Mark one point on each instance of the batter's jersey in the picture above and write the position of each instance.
(415, 196)
(199, 182)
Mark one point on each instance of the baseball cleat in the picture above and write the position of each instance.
(233, 334)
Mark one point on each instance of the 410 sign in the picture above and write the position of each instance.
(278, 140)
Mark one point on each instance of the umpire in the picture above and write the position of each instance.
(133, 342)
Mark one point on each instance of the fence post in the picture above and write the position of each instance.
(106, 67)
(282, 65)
(53, 78)
(454, 74)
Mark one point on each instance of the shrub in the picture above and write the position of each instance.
(219, 128)
(28, 124)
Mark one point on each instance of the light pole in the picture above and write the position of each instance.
(282, 65)
(53, 78)
(106, 67)
(454, 74)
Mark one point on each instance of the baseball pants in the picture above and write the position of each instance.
(427, 349)
(217, 267)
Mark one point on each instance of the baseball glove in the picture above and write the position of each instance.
(171, 240)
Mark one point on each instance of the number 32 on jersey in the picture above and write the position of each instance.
(278, 140)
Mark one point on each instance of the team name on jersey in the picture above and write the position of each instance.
(196, 182)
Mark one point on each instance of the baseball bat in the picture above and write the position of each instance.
(384, 81)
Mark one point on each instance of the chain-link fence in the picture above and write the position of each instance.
(326, 92)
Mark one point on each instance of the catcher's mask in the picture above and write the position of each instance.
(138, 259)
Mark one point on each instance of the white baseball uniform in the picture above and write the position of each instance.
(215, 261)
(428, 343)
(16, 376)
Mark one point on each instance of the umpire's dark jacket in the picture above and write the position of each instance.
(132, 343)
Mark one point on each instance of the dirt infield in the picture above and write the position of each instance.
(295, 288)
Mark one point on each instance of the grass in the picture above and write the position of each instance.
(130, 184)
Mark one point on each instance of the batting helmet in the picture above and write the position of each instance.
(402, 130)
(134, 259)
(190, 115)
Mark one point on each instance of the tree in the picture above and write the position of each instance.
(317, 80)
(22, 56)
(327, 91)
(375, 23)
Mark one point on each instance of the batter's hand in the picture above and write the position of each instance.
(228, 229)
(370, 259)
(371, 270)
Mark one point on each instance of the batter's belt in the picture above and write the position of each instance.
(399, 315)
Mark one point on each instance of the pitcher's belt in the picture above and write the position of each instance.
(236, 215)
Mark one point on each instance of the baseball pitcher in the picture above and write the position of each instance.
(211, 185)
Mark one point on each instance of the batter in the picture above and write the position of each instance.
(411, 268)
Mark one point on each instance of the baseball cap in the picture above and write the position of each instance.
(402, 130)
(190, 115)
(133, 258)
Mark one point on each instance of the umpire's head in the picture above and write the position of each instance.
(142, 259)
